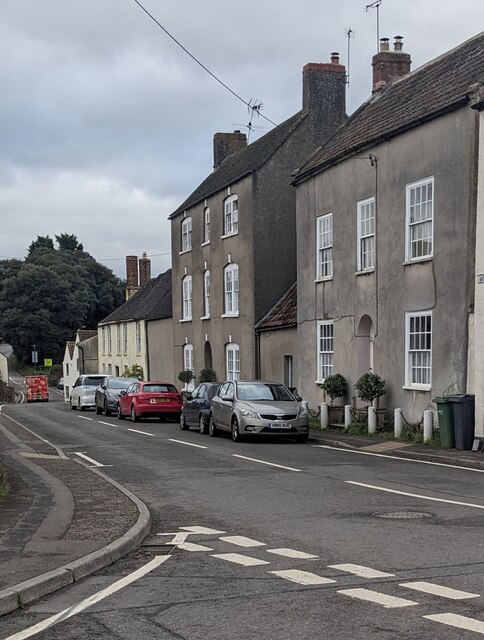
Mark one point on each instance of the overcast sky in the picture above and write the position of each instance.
(106, 125)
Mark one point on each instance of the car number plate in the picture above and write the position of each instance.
(279, 425)
(158, 400)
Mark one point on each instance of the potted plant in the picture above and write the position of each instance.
(186, 377)
(335, 387)
(369, 388)
(207, 375)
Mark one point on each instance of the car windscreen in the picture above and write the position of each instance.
(92, 382)
(259, 392)
(115, 383)
(159, 388)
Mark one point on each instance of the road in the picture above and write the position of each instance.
(274, 540)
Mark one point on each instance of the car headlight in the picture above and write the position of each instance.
(303, 412)
(249, 414)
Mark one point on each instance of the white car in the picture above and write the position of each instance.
(84, 390)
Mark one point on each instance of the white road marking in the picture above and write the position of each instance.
(109, 424)
(437, 590)
(301, 577)
(191, 546)
(242, 541)
(88, 602)
(396, 458)
(454, 620)
(271, 464)
(91, 460)
(389, 602)
(85, 418)
(189, 444)
(240, 559)
(178, 538)
(416, 495)
(361, 571)
(204, 530)
(292, 553)
(144, 433)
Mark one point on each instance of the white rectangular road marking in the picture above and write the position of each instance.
(191, 546)
(242, 541)
(240, 559)
(88, 602)
(270, 464)
(416, 495)
(189, 444)
(144, 433)
(205, 530)
(109, 424)
(437, 590)
(93, 462)
(301, 577)
(292, 553)
(362, 572)
(454, 620)
(389, 602)
(85, 418)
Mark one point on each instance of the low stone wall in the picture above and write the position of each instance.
(7, 394)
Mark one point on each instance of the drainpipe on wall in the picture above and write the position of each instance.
(148, 367)
(257, 355)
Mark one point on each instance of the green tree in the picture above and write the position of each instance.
(68, 242)
(42, 241)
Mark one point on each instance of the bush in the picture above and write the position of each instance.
(207, 375)
(369, 387)
(186, 376)
(334, 386)
(135, 371)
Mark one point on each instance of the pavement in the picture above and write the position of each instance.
(63, 520)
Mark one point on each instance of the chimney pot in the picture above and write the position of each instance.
(335, 57)
(384, 44)
(388, 66)
(398, 43)
(144, 270)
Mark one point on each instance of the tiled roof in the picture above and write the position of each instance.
(152, 302)
(84, 334)
(283, 314)
(71, 346)
(435, 88)
(242, 162)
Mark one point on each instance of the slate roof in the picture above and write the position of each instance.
(152, 302)
(283, 314)
(437, 87)
(84, 334)
(242, 162)
(70, 346)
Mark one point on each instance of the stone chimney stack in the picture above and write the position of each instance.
(388, 65)
(225, 144)
(144, 270)
(324, 95)
(132, 283)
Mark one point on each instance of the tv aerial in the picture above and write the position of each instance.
(376, 5)
(254, 108)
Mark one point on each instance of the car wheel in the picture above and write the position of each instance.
(183, 422)
(119, 414)
(134, 417)
(73, 406)
(97, 410)
(236, 437)
(212, 429)
(79, 406)
(302, 439)
(202, 425)
(106, 410)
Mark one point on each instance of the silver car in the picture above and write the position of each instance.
(84, 389)
(258, 408)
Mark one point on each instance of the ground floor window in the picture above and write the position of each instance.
(232, 359)
(418, 339)
(188, 364)
(325, 351)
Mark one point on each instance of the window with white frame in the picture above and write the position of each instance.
(125, 338)
(206, 293)
(325, 352)
(188, 364)
(231, 289)
(110, 343)
(206, 225)
(419, 219)
(232, 361)
(187, 298)
(366, 235)
(138, 337)
(118, 339)
(324, 246)
(231, 216)
(186, 234)
(418, 341)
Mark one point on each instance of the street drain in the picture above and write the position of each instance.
(402, 515)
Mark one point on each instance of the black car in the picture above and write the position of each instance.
(107, 394)
(196, 409)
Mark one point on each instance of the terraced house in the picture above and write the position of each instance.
(234, 237)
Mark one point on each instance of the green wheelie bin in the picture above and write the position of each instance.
(446, 421)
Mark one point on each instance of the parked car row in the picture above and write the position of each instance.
(245, 408)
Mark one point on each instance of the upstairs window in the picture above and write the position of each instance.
(324, 247)
(206, 225)
(187, 298)
(110, 342)
(232, 361)
(231, 289)
(366, 235)
(118, 339)
(206, 294)
(419, 220)
(418, 341)
(231, 216)
(138, 338)
(125, 338)
(186, 234)
(325, 353)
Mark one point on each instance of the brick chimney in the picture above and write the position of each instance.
(132, 284)
(144, 270)
(225, 144)
(324, 95)
(388, 65)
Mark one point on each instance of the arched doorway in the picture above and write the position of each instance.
(208, 355)
(365, 337)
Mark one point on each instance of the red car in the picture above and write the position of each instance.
(142, 399)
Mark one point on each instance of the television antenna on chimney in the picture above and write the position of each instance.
(350, 33)
(376, 5)
(254, 108)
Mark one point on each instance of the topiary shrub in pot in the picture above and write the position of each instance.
(369, 388)
(186, 377)
(335, 387)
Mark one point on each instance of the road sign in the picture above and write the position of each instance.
(47, 362)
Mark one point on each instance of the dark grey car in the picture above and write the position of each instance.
(196, 409)
(107, 394)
